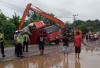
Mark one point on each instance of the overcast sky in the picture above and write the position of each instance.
(85, 9)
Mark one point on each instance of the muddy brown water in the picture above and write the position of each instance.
(89, 58)
(56, 60)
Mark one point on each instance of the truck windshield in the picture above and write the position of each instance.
(52, 29)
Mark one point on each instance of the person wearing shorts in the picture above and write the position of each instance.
(65, 44)
(40, 42)
(77, 42)
(77, 49)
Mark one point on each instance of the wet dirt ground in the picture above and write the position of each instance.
(89, 58)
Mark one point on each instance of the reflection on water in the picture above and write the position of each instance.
(56, 60)
(51, 61)
(31, 65)
(77, 63)
(65, 62)
(46, 61)
(9, 66)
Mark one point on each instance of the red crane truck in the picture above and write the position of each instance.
(53, 33)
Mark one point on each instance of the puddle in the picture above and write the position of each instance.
(57, 60)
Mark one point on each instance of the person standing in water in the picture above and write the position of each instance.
(40, 42)
(65, 44)
(77, 42)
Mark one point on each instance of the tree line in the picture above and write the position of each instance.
(85, 26)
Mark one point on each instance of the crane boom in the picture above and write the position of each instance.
(39, 11)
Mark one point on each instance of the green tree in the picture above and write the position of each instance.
(35, 17)
(15, 20)
(9, 30)
(83, 28)
(3, 18)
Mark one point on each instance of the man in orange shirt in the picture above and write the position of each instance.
(77, 42)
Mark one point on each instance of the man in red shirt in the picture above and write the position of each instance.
(77, 42)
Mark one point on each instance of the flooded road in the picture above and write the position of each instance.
(56, 60)
(89, 58)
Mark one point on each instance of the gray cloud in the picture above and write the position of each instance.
(62, 8)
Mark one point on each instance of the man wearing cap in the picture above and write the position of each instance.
(19, 45)
(2, 43)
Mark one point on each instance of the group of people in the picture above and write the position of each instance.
(77, 43)
(21, 40)
(91, 37)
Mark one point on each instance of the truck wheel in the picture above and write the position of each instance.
(57, 42)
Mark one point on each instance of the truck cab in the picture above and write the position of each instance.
(52, 33)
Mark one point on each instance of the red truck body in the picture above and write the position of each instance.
(53, 33)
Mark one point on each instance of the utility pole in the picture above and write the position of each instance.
(74, 19)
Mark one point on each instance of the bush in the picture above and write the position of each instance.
(9, 43)
(9, 30)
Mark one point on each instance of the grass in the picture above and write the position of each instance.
(9, 43)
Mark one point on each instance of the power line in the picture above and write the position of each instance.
(62, 17)
(12, 6)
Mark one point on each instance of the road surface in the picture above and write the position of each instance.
(54, 58)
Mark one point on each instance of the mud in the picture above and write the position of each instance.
(56, 60)
(89, 58)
